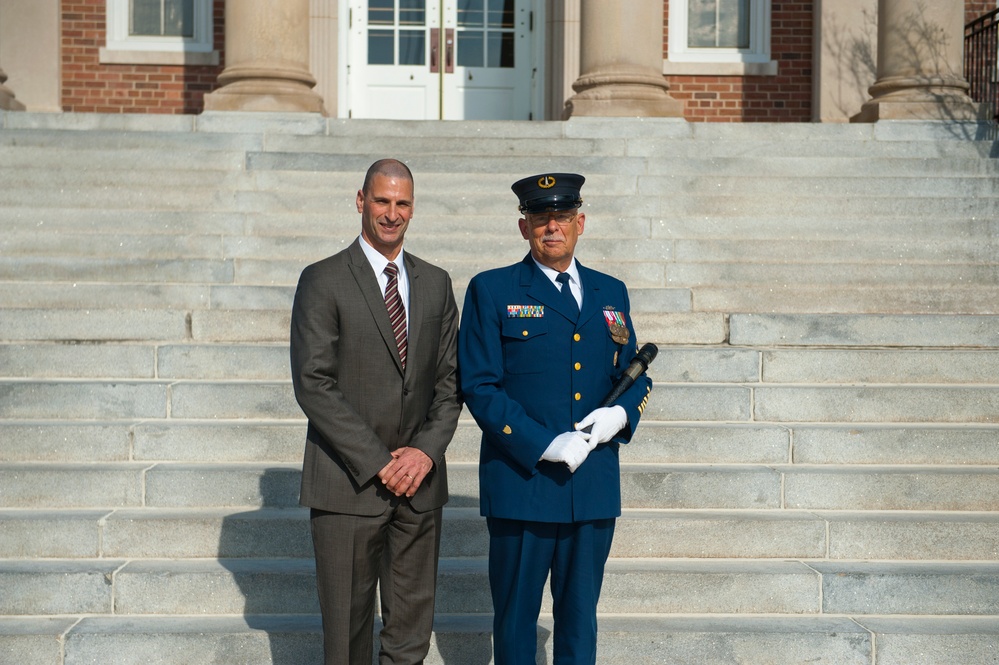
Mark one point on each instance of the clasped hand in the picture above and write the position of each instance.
(604, 423)
(570, 448)
(405, 471)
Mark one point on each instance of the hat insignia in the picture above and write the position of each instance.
(546, 182)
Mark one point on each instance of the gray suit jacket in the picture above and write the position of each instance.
(350, 383)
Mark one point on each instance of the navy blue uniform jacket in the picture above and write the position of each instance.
(529, 373)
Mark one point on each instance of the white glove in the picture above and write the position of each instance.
(606, 422)
(570, 447)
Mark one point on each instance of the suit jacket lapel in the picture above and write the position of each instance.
(417, 299)
(367, 283)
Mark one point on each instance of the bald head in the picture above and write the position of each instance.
(391, 168)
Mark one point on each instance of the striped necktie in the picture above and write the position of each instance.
(396, 310)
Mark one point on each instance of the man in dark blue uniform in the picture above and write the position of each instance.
(541, 343)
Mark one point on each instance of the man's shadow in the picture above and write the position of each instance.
(269, 553)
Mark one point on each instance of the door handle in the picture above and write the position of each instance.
(449, 51)
(435, 48)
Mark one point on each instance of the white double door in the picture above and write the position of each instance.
(441, 59)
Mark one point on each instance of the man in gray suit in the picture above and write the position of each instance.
(373, 360)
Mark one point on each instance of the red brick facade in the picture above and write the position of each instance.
(91, 86)
(786, 97)
(975, 8)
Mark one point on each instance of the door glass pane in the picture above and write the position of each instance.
(412, 12)
(718, 24)
(470, 48)
(381, 47)
(500, 49)
(501, 13)
(471, 13)
(412, 47)
(381, 12)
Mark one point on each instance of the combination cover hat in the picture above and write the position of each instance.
(548, 192)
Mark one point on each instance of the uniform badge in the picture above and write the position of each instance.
(616, 325)
(525, 311)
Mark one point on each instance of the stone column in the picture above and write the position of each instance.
(266, 56)
(621, 60)
(920, 63)
(7, 101)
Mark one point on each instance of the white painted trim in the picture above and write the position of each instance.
(758, 52)
(136, 57)
(720, 68)
(118, 38)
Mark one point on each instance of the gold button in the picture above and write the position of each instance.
(576, 337)
(507, 430)
(578, 366)
(578, 397)
(524, 333)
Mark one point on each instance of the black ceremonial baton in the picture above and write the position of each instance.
(637, 367)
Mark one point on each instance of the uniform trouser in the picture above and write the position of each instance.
(397, 552)
(521, 554)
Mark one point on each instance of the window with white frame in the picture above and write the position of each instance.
(719, 37)
(159, 32)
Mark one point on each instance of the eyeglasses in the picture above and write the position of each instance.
(561, 217)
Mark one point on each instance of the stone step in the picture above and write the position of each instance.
(649, 268)
(675, 363)
(656, 442)
(866, 300)
(268, 302)
(335, 227)
(658, 203)
(864, 330)
(637, 586)
(37, 399)
(643, 486)
(209, 533)
(458, 639)
(844, 275)
(289, 253)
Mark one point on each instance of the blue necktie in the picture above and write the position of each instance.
(570, 300)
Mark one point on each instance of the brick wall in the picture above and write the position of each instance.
(90, 86)
(786, 97)
(975, 8)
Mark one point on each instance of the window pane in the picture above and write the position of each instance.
(501, 13)
(718, 24)
(411, 47)
(178, 18)
(470, 46)
(500, 49)
(145, 17)
(162, 18)
(412, 12)
(381, 12)
(381, 49)
(471, 13)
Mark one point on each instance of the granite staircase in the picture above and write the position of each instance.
(815, 481)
